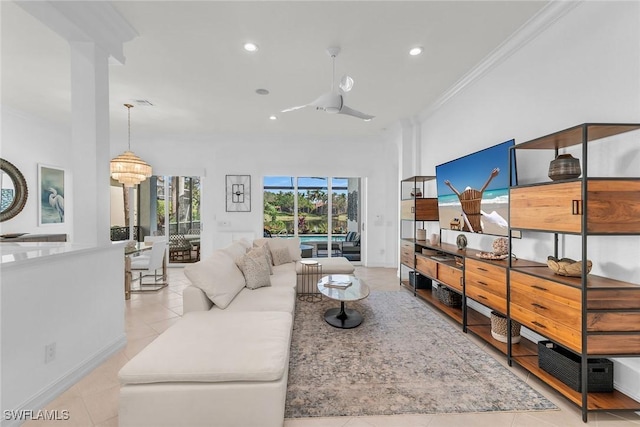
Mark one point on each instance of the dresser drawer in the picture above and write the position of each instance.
(565, 312)
(450, 276)
(549, 308)
(427, 266)
(480, 294)
(485, 276)
(548, 327)
(546, 289)
(407, 254)
(485, 269)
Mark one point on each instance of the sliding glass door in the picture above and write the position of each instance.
(177, 216)
(321, 211)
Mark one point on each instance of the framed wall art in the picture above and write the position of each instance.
(51, 194)
(238, 191)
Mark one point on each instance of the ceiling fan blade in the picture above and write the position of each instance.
(330, 102)
(351, 112)
(346, 83)
(286, 110)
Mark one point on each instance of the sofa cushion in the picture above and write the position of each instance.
(218, 276)
(333, 265)
(255, 268)
(281, 256)
(284, 276)
(265, 299)
(292, 244)
(205, 347)
(235, 250)
(244, 242)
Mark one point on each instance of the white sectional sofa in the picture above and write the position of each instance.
(225, 363)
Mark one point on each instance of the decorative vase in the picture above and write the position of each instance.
(461, 241)
(565, 166)
(501, 246)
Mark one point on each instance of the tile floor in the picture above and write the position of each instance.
(93, 401)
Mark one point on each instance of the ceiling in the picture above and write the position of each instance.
(188, 62)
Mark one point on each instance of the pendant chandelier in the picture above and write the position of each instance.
(127, 168)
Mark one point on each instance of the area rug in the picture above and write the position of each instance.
(403, 359)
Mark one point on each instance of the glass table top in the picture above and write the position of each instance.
(343, 287)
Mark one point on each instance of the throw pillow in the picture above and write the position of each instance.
(255, 270)
(292, 245)
(235, 250)
(260, 252)
(281, 256)
(244, 242)
(267, 253)
(294, 248)
(218, 277)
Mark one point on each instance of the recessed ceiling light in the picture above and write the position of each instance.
(262, 91)
(415, 51)
(250, 47)
(273, 118)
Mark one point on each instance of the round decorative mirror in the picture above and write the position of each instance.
(14, 190)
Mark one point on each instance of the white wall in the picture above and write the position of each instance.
(583, 68)
(26, 142)
(75, 300)
(374, 160)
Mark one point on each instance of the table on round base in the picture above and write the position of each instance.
(343, 288)
(342, 317)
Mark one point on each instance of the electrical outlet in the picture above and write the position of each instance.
(49, 352)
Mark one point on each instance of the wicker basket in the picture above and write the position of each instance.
(499, 328)
(449, 297)
(566, 366)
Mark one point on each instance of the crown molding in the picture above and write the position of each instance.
(84, 21)
(535, 26)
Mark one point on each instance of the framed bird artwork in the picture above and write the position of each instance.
(51, 194)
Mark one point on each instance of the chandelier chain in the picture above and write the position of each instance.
(129, 107)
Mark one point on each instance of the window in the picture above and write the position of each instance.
(319, 210)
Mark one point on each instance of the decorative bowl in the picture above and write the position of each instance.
(567, 266)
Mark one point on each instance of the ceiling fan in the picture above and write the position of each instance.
(333, 101)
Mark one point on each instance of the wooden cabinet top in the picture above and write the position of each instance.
(585, 132)
(419, 178)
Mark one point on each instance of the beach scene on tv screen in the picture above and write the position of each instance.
(473, 191)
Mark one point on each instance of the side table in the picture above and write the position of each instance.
(311, 274)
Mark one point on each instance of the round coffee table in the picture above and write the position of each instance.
(343, 288)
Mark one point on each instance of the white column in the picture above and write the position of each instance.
(90, 143)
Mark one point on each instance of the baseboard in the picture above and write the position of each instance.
(55, 389)
(380, 265)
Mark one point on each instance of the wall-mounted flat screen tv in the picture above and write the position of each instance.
(473, 191)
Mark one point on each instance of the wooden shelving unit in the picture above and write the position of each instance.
(596, 316)
(415, 209)
(593, 316)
